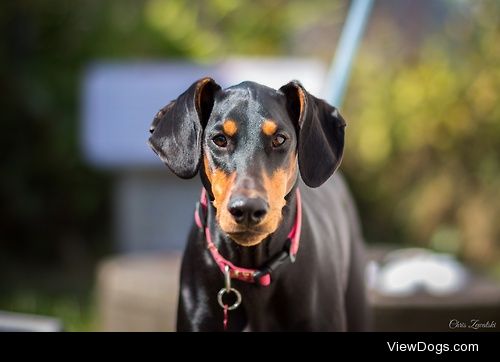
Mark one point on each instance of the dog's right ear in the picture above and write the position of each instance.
(320, 133)
(177, 128)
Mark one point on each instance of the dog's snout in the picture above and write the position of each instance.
(248, 211)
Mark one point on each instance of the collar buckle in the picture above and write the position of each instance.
(288, 249)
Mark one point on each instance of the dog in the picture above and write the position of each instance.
(277, 245)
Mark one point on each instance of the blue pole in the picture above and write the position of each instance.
(349, 41)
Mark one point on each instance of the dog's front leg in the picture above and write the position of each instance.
(193, 315)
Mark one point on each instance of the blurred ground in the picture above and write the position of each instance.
(39, 289)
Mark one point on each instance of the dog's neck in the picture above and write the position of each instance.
(254, 256)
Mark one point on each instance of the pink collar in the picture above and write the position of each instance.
(262, 275)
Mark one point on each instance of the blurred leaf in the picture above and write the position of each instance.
(424, 137)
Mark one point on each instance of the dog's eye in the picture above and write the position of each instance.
(278, 140)
(220, 140)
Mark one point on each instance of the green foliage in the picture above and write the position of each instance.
(75, 313)
(207, 30)
(424, 138)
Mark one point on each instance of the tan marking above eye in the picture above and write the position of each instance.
(230, 128)
(269, 127)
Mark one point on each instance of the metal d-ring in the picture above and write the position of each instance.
(228, 289)
(235, 304)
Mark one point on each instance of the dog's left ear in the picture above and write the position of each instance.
(177, 128)
(320, 133)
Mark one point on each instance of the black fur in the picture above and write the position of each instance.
(177, 128)
(324, 289)
(321, 134)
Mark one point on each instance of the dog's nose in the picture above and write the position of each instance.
(249, 211)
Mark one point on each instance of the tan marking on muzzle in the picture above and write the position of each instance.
(222, 184)
(292, 173)
(277, 186)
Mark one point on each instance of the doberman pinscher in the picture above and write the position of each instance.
(249, 144)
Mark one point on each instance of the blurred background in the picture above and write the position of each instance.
(422, 146)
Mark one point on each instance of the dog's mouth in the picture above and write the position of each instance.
(248, 237)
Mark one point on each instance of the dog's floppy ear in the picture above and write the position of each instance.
(177, 128)
(320, 133)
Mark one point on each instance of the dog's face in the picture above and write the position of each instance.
(250, 160)
(249, 142)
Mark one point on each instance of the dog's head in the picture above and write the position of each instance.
(249, 142)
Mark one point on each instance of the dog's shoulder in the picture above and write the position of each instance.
(332, 194)
(333, 223)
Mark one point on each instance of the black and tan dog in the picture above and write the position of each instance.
(250, 143)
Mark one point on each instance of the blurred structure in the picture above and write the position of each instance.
(352, 34)
(139, 292)
(417, 290)
(17, 322)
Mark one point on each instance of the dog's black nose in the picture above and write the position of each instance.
(249, 211)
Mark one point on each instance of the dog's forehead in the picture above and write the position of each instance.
(253, 89)
(247, 102)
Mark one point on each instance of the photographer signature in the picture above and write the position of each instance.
(472, 324)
